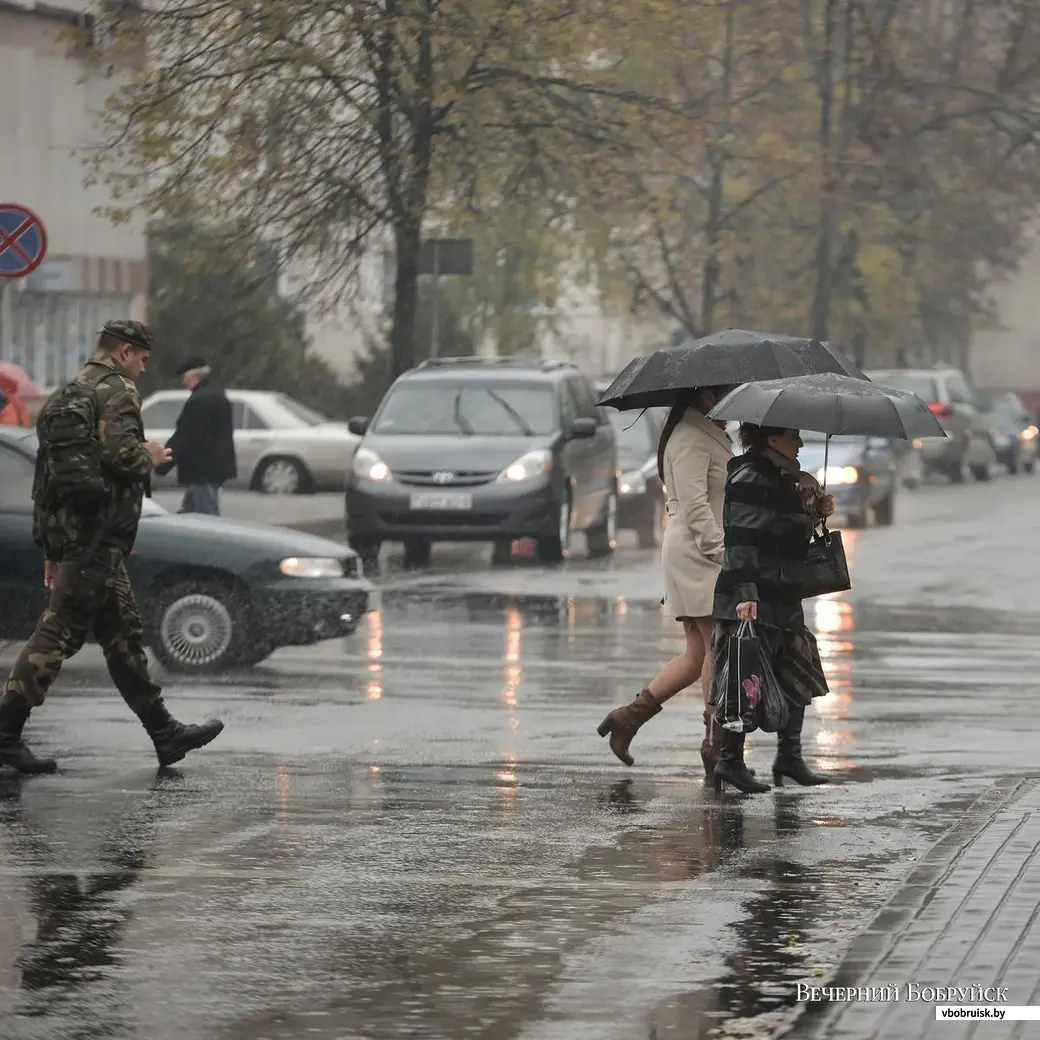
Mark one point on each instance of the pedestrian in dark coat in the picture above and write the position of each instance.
(203, 443)
(769, 513)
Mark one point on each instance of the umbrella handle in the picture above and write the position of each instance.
(826, 455)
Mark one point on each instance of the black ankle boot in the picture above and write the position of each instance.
(13, 751)
(730, 767)
(173, 739)
(789, 761)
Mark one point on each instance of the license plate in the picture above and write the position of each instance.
(441, 500)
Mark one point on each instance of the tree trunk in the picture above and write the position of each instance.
(821, 303)
(407, 242)
(717, 158)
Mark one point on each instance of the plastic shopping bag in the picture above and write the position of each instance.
(749, 697)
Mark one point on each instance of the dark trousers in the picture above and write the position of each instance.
(201, 498)
(88, 596)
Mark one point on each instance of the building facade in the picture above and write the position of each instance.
(52, 93)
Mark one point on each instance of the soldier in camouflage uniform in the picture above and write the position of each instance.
(85, 552)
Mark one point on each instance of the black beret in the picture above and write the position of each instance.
(129, 331)
(191, 364)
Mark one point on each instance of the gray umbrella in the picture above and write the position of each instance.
(830, 404)
(723, 358)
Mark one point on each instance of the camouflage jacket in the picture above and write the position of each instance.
(127, 464)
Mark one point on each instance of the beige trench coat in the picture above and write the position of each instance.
(695, 460)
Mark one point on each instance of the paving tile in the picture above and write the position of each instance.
(969, 914)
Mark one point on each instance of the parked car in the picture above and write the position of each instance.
(862, 474)
(213, 593)
(1015, 432)
(484, 449)
(282, 447)
(968, 446)
(640, 491)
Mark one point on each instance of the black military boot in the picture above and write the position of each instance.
(173, 739)
(14, 754)
(730, 767)
(789, 761)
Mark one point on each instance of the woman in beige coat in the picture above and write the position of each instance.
(691, 460)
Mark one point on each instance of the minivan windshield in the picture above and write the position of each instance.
(481, 409)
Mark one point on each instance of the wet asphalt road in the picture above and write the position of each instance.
(417, 833)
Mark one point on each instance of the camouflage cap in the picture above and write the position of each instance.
(129, 331)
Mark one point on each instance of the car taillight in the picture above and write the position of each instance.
(940, 410)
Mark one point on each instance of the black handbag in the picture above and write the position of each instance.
(826, 569)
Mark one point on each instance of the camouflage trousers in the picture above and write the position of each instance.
(88, 596)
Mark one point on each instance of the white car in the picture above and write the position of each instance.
(282, 447)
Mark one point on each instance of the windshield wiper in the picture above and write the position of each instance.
(512, 413)
(456, 414)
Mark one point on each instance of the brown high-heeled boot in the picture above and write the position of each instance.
(623, 724)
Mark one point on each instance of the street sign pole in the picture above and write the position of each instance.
(434, 337)
(439, 257)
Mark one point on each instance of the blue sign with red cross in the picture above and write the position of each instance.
(23, 241)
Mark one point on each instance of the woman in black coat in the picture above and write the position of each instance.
(769, 513)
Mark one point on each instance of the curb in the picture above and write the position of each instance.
(869, 948)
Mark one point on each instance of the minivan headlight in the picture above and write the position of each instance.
(527, 467)
(369, 466)
(311, 567)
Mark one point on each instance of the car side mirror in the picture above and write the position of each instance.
(358, 425)
(581, 429)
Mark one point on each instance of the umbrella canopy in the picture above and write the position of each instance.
(721, 359)
(15, 380)
(831, 404)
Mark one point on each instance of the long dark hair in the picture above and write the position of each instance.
(686, 399)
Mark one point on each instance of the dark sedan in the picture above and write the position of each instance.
(213, 593)
(862, 475)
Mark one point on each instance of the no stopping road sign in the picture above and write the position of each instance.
(23, 240)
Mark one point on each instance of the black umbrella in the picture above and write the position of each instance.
(721, 359)
(830, 404)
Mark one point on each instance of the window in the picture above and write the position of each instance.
(635, 440)
(238, 415)
(584, 398)
(306, 415)
(924, 386)
(162, 414)
(958, 389)
(568, 406)
(490, 410)
(16, 477)
(251, 419)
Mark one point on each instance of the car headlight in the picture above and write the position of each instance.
(632, 483)
(311, 567)
(1029, 433)
(369, 466)
(838, 475)
(527, 467)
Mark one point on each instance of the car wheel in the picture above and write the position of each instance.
(983, 472)
(556, 547)
(1029, 467)
(885, 511)
(201, 626)
(417, 552)
(650, 524)
(368, 551)
(282, 476)
(601, 540)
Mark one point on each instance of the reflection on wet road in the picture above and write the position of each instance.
(417, 833)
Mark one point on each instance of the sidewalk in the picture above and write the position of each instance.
(967, 916)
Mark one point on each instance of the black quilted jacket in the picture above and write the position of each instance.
(767, 535)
